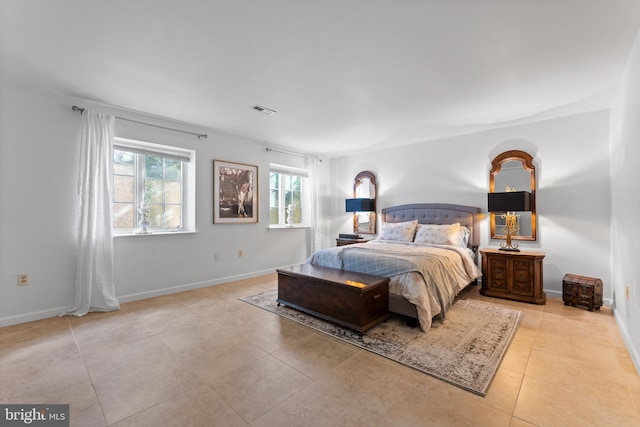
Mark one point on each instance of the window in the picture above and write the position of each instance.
(160, 176)
(288, 194)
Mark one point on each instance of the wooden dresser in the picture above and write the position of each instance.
(513, 275)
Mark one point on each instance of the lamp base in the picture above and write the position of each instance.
(509, 249)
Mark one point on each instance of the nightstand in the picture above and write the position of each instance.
(513, 275)
(343, 242)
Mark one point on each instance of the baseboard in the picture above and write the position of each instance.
(190, 286)
(553, 294)
(558, 294)
(30, 317)
(634, 352)
(53, 312)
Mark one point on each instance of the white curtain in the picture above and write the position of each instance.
(94, 288)
(317, 226)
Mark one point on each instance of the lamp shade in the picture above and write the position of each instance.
(510, 201)
(360, 205)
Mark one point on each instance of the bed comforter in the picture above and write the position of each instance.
(428, 276)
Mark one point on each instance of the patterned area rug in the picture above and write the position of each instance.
(464, 350)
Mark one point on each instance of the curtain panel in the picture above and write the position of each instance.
(317, 228)
(94, 287)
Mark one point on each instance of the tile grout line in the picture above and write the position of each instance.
(84, 362)
(524, 375)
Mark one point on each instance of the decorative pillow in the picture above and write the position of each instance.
(441, 234)
(398, 231)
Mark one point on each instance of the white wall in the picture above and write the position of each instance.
(38, 165)
(38, 160)
(625, 203)
(572, 200)
(39, 140)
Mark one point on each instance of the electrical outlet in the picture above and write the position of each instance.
(23, 279)
(216, 256)
(240, 253)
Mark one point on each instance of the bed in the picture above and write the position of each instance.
(428, 265)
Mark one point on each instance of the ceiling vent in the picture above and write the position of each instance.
(264, 110)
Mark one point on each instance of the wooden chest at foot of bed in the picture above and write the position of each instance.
(355, 300)
(582, 290)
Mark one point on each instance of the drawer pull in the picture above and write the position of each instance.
(377, 296)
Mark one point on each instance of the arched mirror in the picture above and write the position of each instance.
(514, 171)
(364, 187)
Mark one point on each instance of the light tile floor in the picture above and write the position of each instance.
(204, 358)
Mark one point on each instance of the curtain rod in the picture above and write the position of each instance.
(199, 135)
(289, 153)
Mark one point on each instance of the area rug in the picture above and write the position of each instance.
(464, 350)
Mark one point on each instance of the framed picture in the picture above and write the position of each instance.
(235, 193)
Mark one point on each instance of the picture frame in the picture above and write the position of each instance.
(235, 193)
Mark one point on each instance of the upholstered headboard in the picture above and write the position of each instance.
(438, 213)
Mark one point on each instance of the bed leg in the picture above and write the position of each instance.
(411, 322)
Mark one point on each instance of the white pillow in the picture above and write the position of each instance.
(398, 231)
(441, 234)
(465, 233)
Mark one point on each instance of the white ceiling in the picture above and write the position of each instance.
(343, 75)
